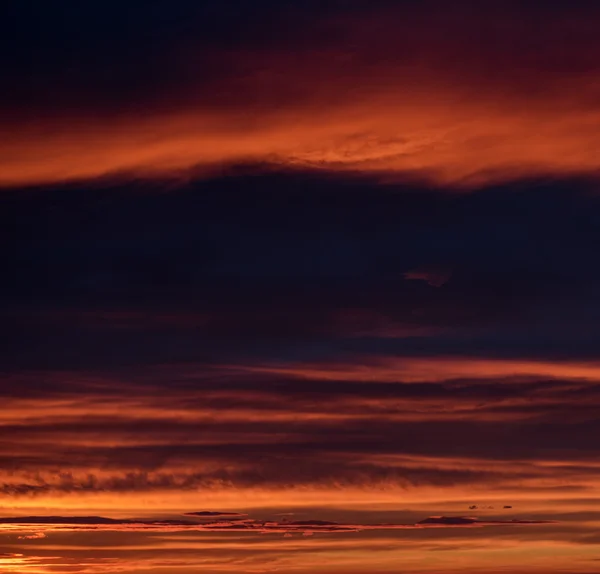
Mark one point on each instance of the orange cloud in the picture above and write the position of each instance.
(448, 141)
(412, 369)
(446, 95)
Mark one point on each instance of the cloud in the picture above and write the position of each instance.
(61, 520)
(50, 524)
(9, 555)
(428, 106)
(431, 275)
(188, 361)
(211, 514)
(34, 536)
(305, 256)
(363, 427)
(468, 521)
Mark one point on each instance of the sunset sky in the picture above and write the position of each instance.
(300, 287)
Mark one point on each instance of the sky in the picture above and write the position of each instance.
(300, 287)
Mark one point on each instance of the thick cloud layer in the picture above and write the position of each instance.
(270, 332)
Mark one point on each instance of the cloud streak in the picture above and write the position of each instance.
(49, 524)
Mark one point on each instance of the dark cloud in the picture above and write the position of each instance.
(210, 513)
(432, 276)
(79, 523)
(468, 521)
(62, 520)
(449, 520)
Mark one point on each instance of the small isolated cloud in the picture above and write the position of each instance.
(434, 276)
(449, 520)
(34, 536)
